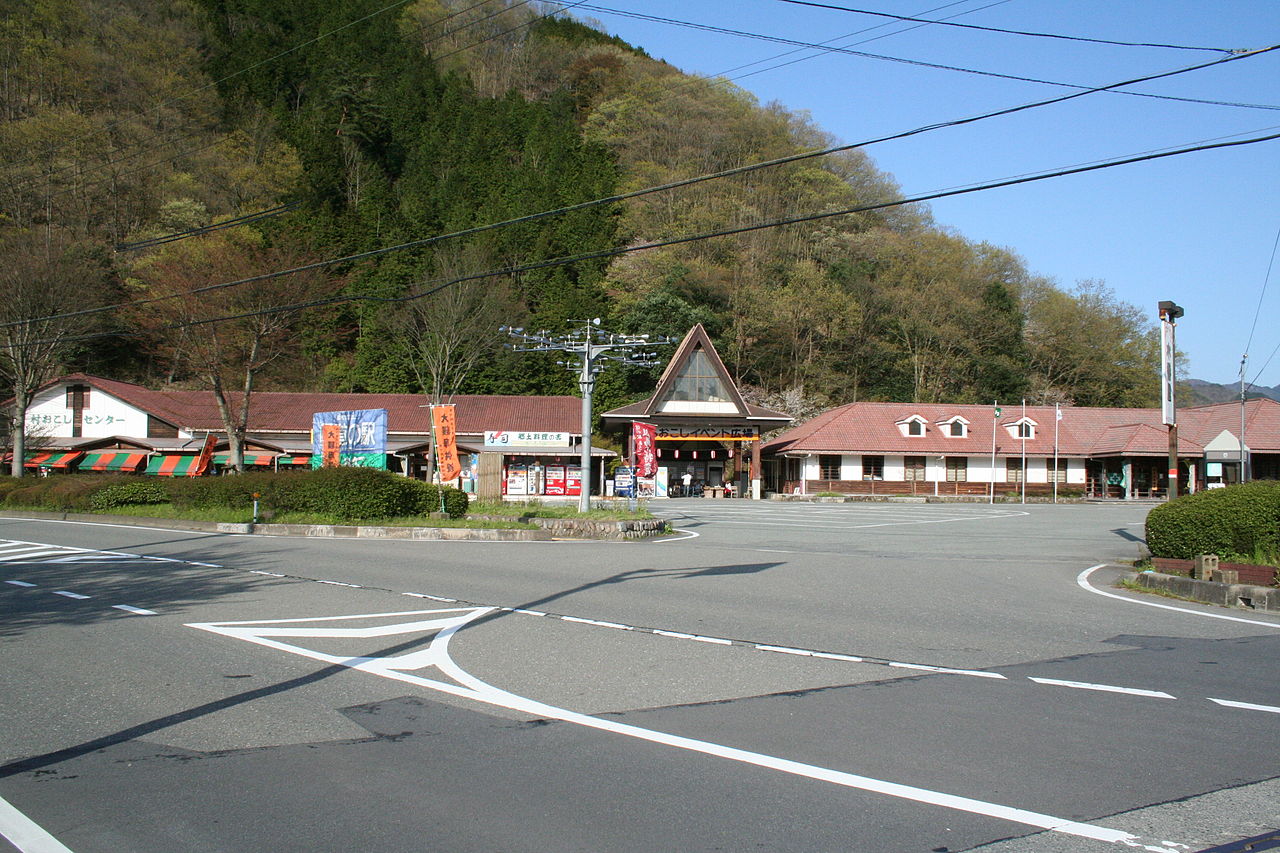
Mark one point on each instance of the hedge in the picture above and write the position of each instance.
(1234, 521)
(347, 494)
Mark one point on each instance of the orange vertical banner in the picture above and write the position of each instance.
(331, 445)
(444, 419)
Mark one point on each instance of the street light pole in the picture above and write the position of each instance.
(594, 346)
(1169, 314)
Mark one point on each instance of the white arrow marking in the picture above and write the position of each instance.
(470, 687)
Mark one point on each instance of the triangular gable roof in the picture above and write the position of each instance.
(697, 340)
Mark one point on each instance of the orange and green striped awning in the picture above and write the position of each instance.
(51, 459)
(295, 459)
(112, 460)
(173, 465)
(250, 459)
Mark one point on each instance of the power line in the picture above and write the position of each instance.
(1010, 32)
(246, 219)
(663, 187)
(1266, 279)
(917, 62)
(674, 241)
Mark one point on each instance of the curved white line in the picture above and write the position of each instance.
(689, 534)
(25, 834)
(109, 524)
(1083, 580)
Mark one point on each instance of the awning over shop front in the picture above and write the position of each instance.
(173, 465)
(303, 459)
(250, 459)
(51, 459)
(112, 460)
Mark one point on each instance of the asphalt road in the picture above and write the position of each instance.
(865, 677)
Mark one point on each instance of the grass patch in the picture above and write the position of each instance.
(536, 509)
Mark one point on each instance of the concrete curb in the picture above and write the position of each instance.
(1237, 595)
(310, 530)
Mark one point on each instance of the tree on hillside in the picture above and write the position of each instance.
(1088, 348)
(225, 337)
(38, 280)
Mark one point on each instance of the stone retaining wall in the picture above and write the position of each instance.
(1240, 595)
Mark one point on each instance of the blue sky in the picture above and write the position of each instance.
(1197, 229)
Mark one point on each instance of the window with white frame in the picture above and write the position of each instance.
(1024, 429)
(956, 429)
(913, 426)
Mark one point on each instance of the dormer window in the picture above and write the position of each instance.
(1024, 428)
(956, 427)
(912, 426)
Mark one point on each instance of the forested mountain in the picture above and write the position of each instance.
(131, 126)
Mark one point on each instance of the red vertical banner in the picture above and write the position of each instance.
(331, 445)
(643, 437)
(444, 419)
(205, 457)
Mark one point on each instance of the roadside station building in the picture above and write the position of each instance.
(704, 427)
(948, 449)
(88, 423)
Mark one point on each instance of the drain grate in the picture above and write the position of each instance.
(1266, 841)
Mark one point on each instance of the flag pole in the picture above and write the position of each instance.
(994, 426)
(1024, 430)
(1057, 418)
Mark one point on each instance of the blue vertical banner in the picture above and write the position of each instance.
(363, 437)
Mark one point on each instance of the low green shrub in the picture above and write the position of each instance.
(129, 493)
(1237, 520)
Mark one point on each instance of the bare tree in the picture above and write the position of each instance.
(39, 281)
(225, 336)
(444, 334)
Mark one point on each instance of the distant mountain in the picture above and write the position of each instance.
(1211, 392)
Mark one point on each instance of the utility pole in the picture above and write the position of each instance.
(1244, 459)
(594, 346)
(1169, 314)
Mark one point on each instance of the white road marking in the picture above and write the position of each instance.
(1105, 688)
(1247, 706)
(1083, 580)
(20, 583)
(74, 595)
(268, 574)
(340, 583)
(432, 597)
(25, 834)
(597, 622)
(26, 555)
(688, 534)
(469, 687)
(135, 610)
(977, 673)
(785, 650)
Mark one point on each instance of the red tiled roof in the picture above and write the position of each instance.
(1083, 431)
(286, 411)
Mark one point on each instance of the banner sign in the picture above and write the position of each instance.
(642, 449)
(512, 438)
(445, 421)
(710, 434)
(205, 457)
(330, 445)
(1168, 414)
(362, 437)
